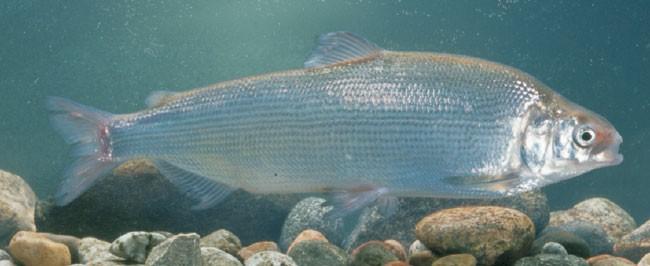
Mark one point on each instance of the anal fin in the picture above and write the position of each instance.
(348, 201)
(204, 190)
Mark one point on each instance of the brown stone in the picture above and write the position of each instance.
(137, 167)
(491, 234)
(33, 249)
(608, 260)
(635, 244)
(396, 248)
(396, 263)
(250, 250)
(307, 235)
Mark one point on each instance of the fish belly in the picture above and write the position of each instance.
(404, 122)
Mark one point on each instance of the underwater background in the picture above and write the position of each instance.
(112, 54)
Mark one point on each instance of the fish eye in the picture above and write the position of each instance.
(584, 136)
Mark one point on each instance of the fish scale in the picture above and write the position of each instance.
(358, 119)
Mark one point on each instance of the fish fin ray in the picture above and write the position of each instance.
(340, 46)
(87, 129)
(349, 201)
(158, 98)
(205, 191)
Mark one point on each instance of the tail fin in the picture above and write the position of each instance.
(88, 130)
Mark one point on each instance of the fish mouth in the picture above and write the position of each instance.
(611, 156)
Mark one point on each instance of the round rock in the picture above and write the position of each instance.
(645, 261)
(373, 253)
(182, 249)
(269, 258)
(491, 234)
(554, 248)
(223, 240)
(609, 260)
(307, 235)
(215, 257)
(17, 206)
(456, 260)
(615, 221)
(635, 244)
(594, 235)
(30, 248)
(135, 246)
(317, 252)
(93, 250)
(573, 244)
(552, 260)
(256, 247)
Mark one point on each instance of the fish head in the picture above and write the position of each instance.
(568, 140)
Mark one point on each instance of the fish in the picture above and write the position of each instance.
(364, 123)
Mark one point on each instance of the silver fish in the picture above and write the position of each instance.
(358, 119)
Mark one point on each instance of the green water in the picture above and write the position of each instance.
(111, 54)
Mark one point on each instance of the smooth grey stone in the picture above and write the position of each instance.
(554, 248)
(552, 260)
(312, 213)
(270, 258)
(223, 240)
(212, 256)
(182, 249)
(92, 249)
(4, 255)
(318, 252)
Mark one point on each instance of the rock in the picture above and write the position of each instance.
(635, 244)
(95, 250)
(307, 235)
(552, 260)
(182, 249)
(30, 248)
(135, 246)
(396, 263)
(573, 244)
(600, 212)
(223, 240)
(6, 263)
(269, 258)
(4, 255)
(374, 225)
(396, 248)
(595, 236)
(111, 263)
(609, 260)
(373, 253)
(645, 261)
(554, 248)
(456, 260)
(248, 251)
(317, 252)
(420, 255)
(212, 256)
(310, 213)
(492, 234)
(70, 241)
(17, 206)
(149, 202)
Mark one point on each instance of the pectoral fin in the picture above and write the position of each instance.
(204, 190)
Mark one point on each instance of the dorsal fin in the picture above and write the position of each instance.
(158, 98)
(340, 46)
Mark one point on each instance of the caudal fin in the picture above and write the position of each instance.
(88, 130)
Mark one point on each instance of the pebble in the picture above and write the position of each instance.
(397, 248)
(135, 246)
(554, 248)
(609, 260)
(250, 250)
(6, 263)
(422, 258)
(486, 232)
(212, 256)
(111, 263)
(373, 253)
(396, 263)
(594, 235)
(317, 252)
(17, 206)
(416, 247)
(456, 260)
(223, 240)
(552, 260)
(4, 255)
(307, 235)
(269, 258)
(635, 244)
(601, 212)
(311, 213)
(645, 261)
(94, 250)
(70, 241)
(182, 249)
(573, 244)
(33, 249)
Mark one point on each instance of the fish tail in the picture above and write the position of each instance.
(87, 129)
